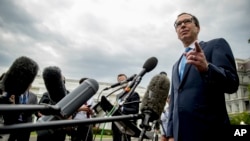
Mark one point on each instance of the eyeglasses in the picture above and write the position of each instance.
(185, 21)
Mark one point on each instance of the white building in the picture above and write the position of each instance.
(239, 101)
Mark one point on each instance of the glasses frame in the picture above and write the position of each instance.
(185, 21)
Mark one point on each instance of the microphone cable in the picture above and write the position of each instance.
(111, 112)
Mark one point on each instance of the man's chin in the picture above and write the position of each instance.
(184, 38)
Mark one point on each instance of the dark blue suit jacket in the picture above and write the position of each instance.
(197, 106)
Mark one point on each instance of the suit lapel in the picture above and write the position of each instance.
(186, 70)
(176, 75)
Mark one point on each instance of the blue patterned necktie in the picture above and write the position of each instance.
(183, 63)
(23, 99)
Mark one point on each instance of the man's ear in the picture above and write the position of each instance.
(198, 29)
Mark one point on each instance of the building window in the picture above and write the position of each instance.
(245, 94)
(247, 106)
(237, 108)
(233, 96)
(229, 108)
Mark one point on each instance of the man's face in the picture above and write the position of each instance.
(186, 29)
(121, 78)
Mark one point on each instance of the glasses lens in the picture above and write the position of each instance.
(186, 21)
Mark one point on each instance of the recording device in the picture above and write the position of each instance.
(154, 100)
(121, 83)
(54, 84)
(19, 77)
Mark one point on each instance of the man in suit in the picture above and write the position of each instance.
(26, 98)
(131, 108)
(197, 109)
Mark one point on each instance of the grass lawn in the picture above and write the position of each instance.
(97, 136)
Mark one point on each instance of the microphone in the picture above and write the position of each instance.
(19, 77)
(72, 101)
(154, 100)
(121, 83)
(54, 84)
(149, 65)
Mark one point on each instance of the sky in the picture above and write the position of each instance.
(102, 38)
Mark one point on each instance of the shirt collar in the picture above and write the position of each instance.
(25, 93)
(192, 45)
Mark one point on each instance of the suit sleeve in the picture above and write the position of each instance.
(170, 129)
(222, 68)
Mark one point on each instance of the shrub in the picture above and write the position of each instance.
(235, 119)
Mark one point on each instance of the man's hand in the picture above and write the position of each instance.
(163, 138)
(197, 58)
(170, 139)
(12, 99)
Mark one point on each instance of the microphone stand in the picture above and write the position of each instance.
(133, 85)
(98, 102)
(63, 123)
(142, 134)
(45, 109)
(131, 89)
(114, 91)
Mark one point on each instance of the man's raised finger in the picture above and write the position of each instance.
(197, 47)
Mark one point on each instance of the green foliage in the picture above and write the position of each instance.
(235, 119)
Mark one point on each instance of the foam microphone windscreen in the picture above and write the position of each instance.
(155, 97)
(20, 75)
(54, 84)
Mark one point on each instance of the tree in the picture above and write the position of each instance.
(237, 118)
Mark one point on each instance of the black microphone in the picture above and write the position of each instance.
(54, 84)
(149, 65)
(154, 100)
(19, 77)
(121, 83)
